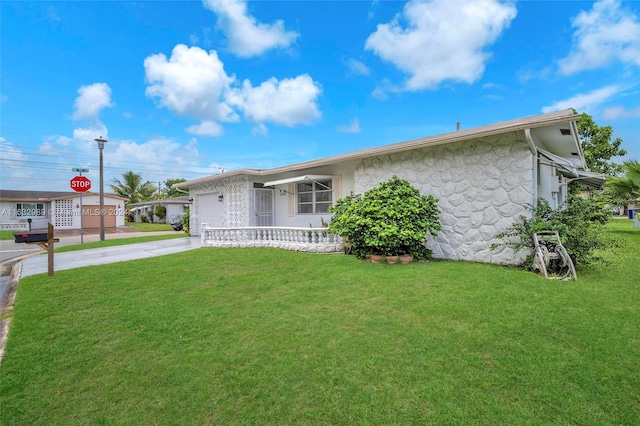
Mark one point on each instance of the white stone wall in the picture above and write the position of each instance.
(483, 186)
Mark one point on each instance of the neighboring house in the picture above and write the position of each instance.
(62, 209)
(175, 208)
(484, 178)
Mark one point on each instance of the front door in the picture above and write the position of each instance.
(264, 207)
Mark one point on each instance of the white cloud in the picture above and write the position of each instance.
(605, 34)
(357, 67)
(260, 130)
(585, 102)
(248, 37)
(353, 127)
(206, 128)
(91, 100)
(290, 101)
(192, 83)
(91, 133)
(441, 40)
(618, 112)
(13, 165)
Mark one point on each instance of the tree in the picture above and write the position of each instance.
(622, 189)
(132, 187)
(598, 147)
(172, 192)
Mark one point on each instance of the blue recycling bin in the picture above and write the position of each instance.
(630, 213)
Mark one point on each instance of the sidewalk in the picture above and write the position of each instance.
(99, 256)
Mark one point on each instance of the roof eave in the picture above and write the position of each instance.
(521, 124)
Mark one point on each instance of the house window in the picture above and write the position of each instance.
(315, 196)
(30, 210)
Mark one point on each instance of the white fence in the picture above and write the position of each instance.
(16, 226)
(314, 240)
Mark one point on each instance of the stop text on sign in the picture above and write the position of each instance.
(80, 184)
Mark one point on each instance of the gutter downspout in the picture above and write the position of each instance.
(532, 147)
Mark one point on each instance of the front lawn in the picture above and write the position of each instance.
(120, 241)
(6, 234)
(149, 227)
(229, 336)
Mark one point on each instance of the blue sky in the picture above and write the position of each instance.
(183, 89)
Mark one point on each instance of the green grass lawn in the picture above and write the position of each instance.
(149, 227)
(119, 242)
(242, 336)
(6, 234)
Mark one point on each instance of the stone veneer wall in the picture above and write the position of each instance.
(483, 185)
(235, 209)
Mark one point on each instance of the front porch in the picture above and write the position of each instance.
(314, 240)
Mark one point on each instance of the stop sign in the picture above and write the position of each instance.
(80, 184)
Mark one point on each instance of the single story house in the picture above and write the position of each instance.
(484, 179)
(175, 208)
(65, 210)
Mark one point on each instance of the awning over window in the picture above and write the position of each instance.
(297, 179)
(568, 168)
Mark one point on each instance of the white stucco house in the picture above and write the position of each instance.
(65, 210)
(484, 179)
(175, 208)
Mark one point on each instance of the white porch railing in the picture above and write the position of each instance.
(314, 240)
(17, 226)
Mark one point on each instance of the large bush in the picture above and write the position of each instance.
(391, 219)
(579, 222)
(161, 212)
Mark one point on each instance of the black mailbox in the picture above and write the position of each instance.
(40, 236)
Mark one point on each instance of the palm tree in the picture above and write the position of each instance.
(624, 189)
(132, 187)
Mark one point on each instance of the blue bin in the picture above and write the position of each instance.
(630, 213)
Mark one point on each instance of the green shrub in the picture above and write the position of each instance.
(144, 218)
(579, 222)
(185, 219)
(161, 212)
(390, 219)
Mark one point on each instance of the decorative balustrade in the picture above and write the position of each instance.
(16, 226)
(315, 240)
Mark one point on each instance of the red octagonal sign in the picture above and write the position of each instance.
(80, 184)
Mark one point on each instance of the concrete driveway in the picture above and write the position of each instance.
(100, 256)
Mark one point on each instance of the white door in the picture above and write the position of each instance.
(209, 209)
(264, 207)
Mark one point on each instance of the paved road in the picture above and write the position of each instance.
(10, 250)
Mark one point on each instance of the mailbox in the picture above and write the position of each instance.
(38, 236)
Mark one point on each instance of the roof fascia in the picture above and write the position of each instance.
(563, 116)
(239, 172)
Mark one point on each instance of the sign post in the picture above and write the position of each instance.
(80, 171)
